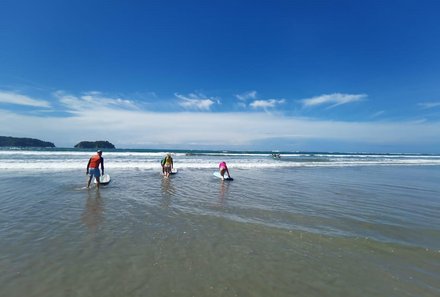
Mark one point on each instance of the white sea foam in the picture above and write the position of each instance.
(77, 160)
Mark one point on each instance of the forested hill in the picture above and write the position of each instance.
(95, 144)
(7, 141)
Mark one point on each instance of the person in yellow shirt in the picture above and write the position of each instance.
(168, 164)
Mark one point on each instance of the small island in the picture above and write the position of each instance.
(8, 141)
(95, 144)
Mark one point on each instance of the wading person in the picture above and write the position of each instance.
(93, 168)
(168, 164)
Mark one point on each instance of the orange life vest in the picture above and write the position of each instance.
(94, 161)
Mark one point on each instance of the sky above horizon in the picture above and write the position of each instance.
(255, 75)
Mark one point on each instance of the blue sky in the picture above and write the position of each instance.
(263, 75)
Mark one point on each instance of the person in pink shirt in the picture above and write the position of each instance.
(223, 168)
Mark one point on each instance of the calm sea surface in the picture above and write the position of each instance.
(307, 224)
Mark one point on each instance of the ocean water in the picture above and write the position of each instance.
(307, 224)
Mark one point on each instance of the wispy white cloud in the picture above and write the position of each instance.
(92, 99)
(18, 99)
(333, 99)
(378, 114)
(247, 95)
(99, 98)
(266, 103)
(196, 101)
(427, 105)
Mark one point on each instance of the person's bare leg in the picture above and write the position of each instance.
(222, 173)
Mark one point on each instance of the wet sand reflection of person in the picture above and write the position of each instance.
(92, 215)
(224, 192)
(168, 191)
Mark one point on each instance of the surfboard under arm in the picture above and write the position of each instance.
(104, 179)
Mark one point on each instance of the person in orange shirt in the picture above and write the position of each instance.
(93, 168)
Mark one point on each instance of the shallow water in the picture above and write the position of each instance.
(296, 231)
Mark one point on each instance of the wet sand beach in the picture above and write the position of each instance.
(298, 231)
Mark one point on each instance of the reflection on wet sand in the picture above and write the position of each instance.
(92, 215)
(168, 191)
(224, 192)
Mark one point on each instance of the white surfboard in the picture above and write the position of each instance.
(217, 174)
(104, 179)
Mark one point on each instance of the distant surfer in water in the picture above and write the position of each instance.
(168, 164)
(93, 168)
(223, 168)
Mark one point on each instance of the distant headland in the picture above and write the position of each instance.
(8, 141)
(95, 144)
